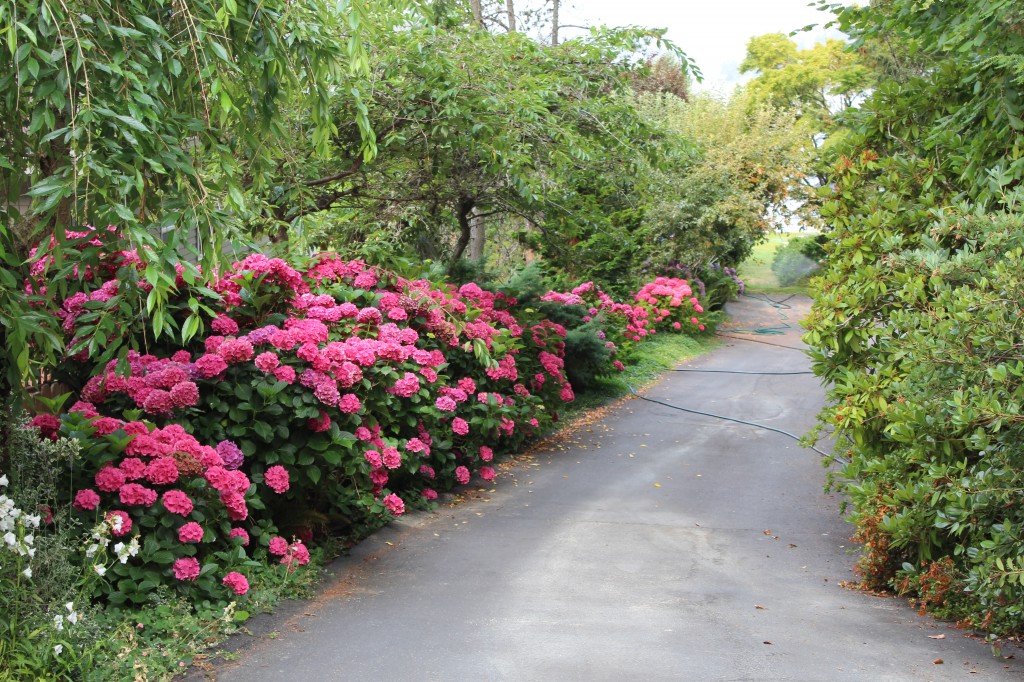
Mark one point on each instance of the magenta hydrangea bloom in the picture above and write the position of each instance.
(277, 478)
(191, 532)
(460, 426)
(162, 471)
(487, 473)
(240, 533)
(462, 475)
(394, 504)
(86, 500)
(235, 504)
(391, 458)
(110, 479)
(133, 493)
(486, 454)
(429, 494)
(186, 568)
(133, 468)
(185, 394)
(177, 502)
(237, 582)
(278, 546)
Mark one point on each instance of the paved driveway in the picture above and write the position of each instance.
(650, 545)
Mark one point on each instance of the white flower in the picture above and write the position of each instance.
(29, 539)
(11, 539)
(27, 572)
(123, 553)
(70, 606)
(133, 546)
(91, 551)
(73, 617)
(33, 521)
(31, 552)
(100, 570)
(58, 648)
(115, 522)
(3, 481)
(58, 622)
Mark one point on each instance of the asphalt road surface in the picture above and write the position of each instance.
(651, 544)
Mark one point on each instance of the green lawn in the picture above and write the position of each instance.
(756, 271)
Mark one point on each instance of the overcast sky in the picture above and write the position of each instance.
(713, 32)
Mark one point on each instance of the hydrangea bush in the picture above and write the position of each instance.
(672, 304)
(307, 397)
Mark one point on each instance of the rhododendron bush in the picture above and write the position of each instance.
(326, 395)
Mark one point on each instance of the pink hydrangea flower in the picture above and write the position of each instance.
(319, 424)
(177, 502)
(237, 582)
(277, 478)
(109, 479)
(349, 403)
(240, 533)
(415, 445)
(462, 475)
(133, 493)
(460, 426)
(267, 362)
(429, 494)
(162, 471)
(285, 373)
(223, 324)
(428, 471)
(486, 454)
(391, 458)
(235, 504)
(47, 425)
(191, 532)
(394, 504)
(210, 365)
(487, 473)
(186, 568)
(374, 458)
(278, 546)
(133, 468)
(445, 404)
(86, 500)
(185, 394)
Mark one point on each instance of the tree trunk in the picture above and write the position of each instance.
(477, 237)
(463, 213)
(554, 21)
(478, 11)
(511, 11)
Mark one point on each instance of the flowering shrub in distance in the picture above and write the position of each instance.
(672, 304)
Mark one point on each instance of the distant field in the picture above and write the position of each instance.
(756, 271)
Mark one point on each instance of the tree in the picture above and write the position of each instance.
(477, 126)
(732, 182)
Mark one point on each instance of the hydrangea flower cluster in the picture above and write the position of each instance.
(672, 303)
